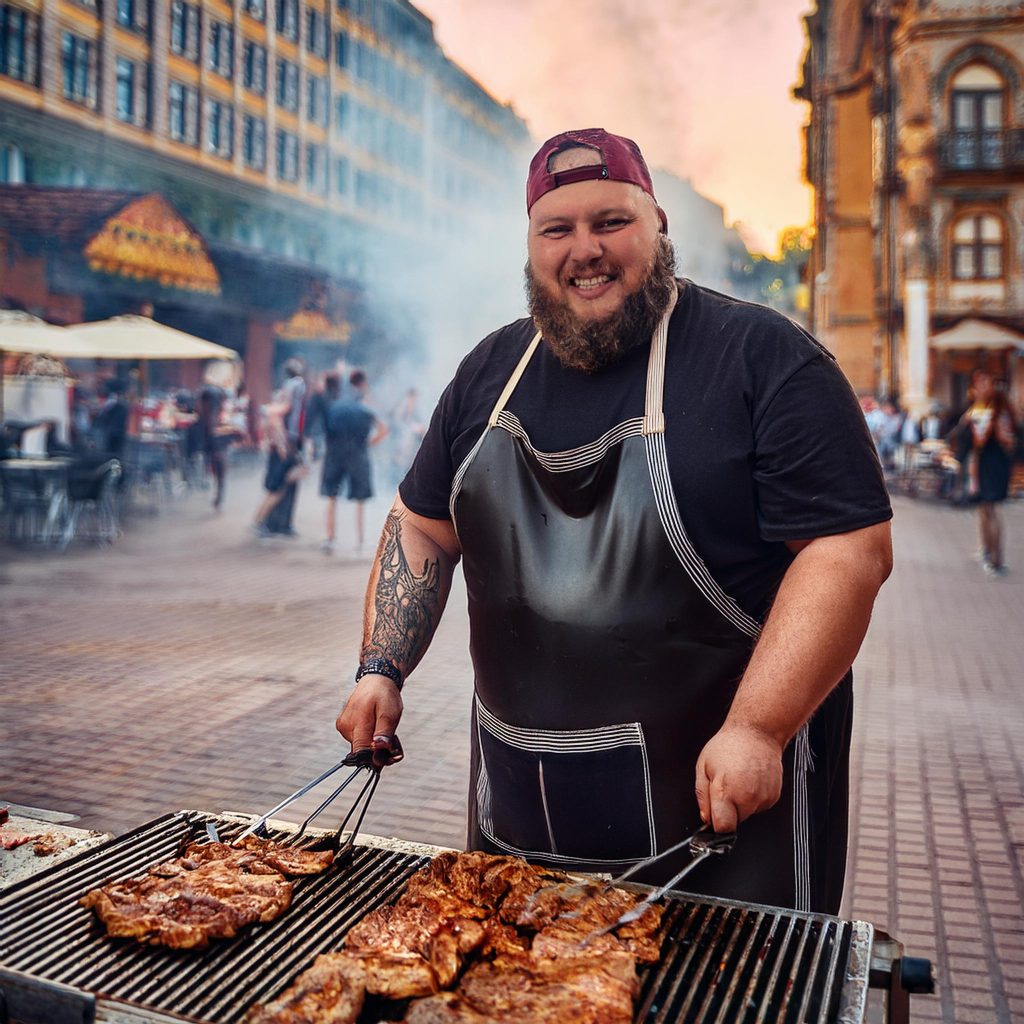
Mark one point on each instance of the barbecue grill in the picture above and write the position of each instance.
(723, 962)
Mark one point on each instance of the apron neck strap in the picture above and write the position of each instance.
(654, 401)
(510, 385)
(654, 415)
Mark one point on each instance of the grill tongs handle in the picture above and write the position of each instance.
(360, 761)
(702, 844)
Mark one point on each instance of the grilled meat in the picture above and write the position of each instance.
(210, 892)
(585, 990)
(445, 1008)
(186, 910)
(523, 929)
(332, 991)
(289, 860)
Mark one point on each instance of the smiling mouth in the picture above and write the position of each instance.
(588, 283)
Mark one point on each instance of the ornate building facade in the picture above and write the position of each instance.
(330, 138)
(915, 149)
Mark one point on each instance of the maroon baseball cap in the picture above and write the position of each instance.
(620, 160)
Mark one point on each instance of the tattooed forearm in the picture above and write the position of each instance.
(406, 605)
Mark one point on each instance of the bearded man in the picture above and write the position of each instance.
(672, 526)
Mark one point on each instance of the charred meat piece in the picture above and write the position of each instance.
(564, 934)
(445, 1008)
(289, 860)
(209, 892)
(585, 990)
(332, 991)
(187, 910)
(480, 880)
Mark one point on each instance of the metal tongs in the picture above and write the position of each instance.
(702, 844)
(361, 761)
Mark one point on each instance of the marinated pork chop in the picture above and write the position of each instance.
(186, 910)
(527, 962)
(210, 892)
(330, 992)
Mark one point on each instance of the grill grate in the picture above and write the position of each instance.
(724, 963)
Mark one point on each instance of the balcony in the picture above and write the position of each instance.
(986, 150)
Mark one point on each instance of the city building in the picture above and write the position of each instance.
(915, 149)
(330, 139)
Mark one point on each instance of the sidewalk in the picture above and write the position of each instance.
(193, 665)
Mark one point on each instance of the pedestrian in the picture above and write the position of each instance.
(110, 424)
(213, 437)
(351, 428)
(990, 428)
(285, 464)
(672, 527)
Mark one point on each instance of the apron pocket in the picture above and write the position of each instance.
(581, 794)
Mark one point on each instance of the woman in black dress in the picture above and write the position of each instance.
(992, 429)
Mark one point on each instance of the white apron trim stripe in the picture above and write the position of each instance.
(608, 737)
(551, 741)
(574, 458)
(457, 480)
(803, 762)
(695, 568)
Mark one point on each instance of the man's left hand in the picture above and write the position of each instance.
(739, 772)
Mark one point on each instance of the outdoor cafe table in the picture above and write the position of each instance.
(32, 485)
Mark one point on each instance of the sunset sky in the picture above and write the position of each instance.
(702, 85)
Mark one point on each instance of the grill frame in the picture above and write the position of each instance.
(717, 952)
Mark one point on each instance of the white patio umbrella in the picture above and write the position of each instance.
(23, 333)
(139, 337)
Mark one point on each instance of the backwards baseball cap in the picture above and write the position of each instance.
(618, 159)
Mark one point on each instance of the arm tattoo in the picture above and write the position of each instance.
(406, 604)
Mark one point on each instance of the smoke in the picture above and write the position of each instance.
(702, 86)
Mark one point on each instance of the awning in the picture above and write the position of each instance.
(23, 333)
(973, 333)
(138, 337)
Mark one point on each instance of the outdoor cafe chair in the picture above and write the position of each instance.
(92, 495)
(35, 496)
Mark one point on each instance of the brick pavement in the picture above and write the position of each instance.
(192, 665)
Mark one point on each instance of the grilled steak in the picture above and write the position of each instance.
(210, 892)
(330, 992)
(520, 929)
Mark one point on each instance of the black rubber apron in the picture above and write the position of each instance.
(605, 657)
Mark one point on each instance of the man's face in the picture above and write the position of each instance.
(591, 244)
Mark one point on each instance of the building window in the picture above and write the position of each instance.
(342, 50)
(316, 32)
(185, 29)
(287, 85)
(19, 44)
(12, 166)
(183, 111)
(220, 129)
(977, 111)
(978, 248)
(133, 14)
(316, 168)
(79, 69)
(220, 54)
(287, 22)
(254, 69)
(254, 143)
(316, 99)
(287, 156)
(342, 176)
(124, 91)
(256, 9)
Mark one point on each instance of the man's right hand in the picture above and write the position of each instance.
(370, 717)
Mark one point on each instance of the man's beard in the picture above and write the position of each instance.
(591, 345)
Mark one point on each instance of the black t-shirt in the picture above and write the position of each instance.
(766, 441)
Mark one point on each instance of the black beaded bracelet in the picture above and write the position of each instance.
(380, 667)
